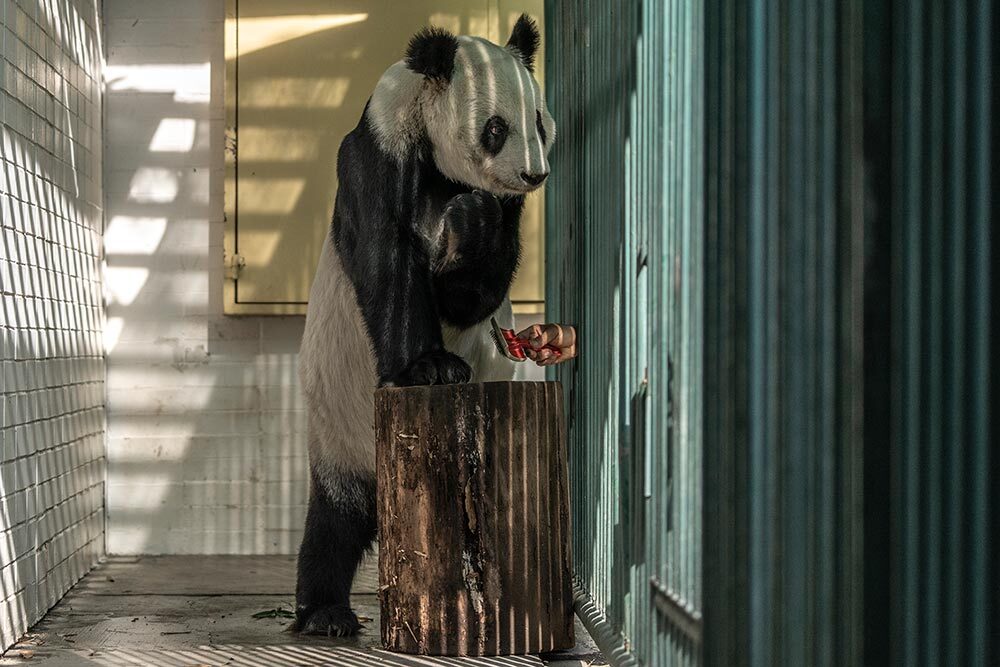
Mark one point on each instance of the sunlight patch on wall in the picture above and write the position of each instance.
(260, 32)
(270, 195)
(188, 83)
(173, 135)
(298, 92)
(128, 235)
(112, 331)
(124, 283)
(278, 144)
(154, 185)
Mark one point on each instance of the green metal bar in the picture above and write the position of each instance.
(981, 115)
(954, 426)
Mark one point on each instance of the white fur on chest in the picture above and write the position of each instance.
(475, 345)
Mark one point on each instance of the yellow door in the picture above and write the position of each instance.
(298, 75)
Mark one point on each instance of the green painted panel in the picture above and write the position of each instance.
(940, 610)
(772, 223)
(783, 334)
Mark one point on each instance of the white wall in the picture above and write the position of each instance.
(206, 445)
(52, 385)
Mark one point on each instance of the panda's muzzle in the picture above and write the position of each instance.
(534, 180)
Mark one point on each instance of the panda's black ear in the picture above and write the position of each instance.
(432, 53)
(524, 40)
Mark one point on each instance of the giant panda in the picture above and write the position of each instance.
(421, 253)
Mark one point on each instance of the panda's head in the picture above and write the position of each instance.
(482, 109)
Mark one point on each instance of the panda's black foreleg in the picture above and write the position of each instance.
(340, 528)
(393, 285)
(477, 261)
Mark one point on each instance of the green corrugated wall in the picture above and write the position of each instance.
(784, 352)
(933, 224)
(773, 223)
(624, 265)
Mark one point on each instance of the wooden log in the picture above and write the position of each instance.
(473, 507)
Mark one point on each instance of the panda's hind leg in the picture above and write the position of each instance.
(340, 528)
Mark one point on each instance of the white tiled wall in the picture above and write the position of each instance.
(52, 385)
(206, 441)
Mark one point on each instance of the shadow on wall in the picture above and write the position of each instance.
(206, 424)
(206, 444)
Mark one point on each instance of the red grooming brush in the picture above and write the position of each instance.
(512, 347)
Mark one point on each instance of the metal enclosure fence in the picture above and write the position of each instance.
(624, 264)
(784, 364)
(771, 222)
(932, 153)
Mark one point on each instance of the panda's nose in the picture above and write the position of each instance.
(532, 179)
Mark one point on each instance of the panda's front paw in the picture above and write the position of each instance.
(438, 367)
(336, 620)
(473, 227)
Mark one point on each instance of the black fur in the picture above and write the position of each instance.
(381, 208)
(524, 38)
(339, 530)
(470, 287)
(431, 52)
(541, 128)
(494, 135)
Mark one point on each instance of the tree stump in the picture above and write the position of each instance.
(473, 509)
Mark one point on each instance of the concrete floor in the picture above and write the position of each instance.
(196, 611)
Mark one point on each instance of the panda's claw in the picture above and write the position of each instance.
(438, 367)
(332, 621)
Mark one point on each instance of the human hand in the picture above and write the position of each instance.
(560, 336)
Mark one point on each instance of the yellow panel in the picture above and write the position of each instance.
(298, 75)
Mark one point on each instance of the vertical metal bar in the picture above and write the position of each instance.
(954, 426)
(980, 117)
(793, 313)
(910, 405)
(931, 326)
(697, 218)
(761, 601)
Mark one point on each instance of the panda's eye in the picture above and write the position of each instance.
(496, 126)
(494, 135)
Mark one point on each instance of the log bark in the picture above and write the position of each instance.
(474, 523)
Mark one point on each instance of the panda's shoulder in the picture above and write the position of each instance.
(393, 112)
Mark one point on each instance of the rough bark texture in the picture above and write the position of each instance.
(473, 506)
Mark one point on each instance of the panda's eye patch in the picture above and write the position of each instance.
(494, 135)
(538, 124)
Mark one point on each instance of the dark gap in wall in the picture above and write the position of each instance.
(877, 65)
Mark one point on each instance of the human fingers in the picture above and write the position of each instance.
(557, 335)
